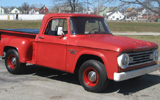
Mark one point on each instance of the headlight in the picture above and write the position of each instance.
(155, 55)
(123, 60)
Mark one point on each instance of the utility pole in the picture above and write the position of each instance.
(87, 6)
(98, 7)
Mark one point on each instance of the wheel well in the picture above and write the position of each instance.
(84, 58)
(8, 48)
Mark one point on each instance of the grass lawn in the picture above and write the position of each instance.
(20, 24)
(134, 26)
(114, 26)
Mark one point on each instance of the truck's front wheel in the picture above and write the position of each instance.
(93, 76)
(12, 62)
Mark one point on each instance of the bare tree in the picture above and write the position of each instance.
(55, 9)
(101, 5)
(25, 8)
(152, 5)
(71, 3)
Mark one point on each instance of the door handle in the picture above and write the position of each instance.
(40, 37)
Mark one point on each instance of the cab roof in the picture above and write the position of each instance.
(71, 15)
(52, 15)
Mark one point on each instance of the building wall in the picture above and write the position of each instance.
(116, 16)
(15, 11)
(1, 10)
(22, 17)
(43, 10)
(32, 11)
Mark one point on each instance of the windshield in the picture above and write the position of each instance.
(84, 25)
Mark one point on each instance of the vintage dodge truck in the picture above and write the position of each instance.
(79, 43)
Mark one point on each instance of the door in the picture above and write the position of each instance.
(51, 47)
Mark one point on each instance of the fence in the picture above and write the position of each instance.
(22, 17)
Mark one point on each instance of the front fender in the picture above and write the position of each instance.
(87, 52)
(23, 46)
(109, 59)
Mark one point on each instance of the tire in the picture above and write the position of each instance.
(12, 62)
(99, 80)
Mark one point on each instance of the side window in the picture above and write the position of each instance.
(53, 25)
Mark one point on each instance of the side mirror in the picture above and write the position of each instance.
(60, 31)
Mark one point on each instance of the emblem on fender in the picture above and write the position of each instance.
(72, 51)
(143, 47)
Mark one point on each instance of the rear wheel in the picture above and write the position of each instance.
(12, 62)
(93, 76)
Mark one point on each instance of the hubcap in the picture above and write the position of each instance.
(92, 76)
(13, 61)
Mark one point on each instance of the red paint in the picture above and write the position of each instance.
(55, 51)
(10, 62)
(86, 78)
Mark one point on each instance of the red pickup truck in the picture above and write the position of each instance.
(79, 43)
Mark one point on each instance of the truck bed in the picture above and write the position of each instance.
(23, 39)
(31, 31)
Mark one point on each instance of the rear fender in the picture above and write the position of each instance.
(23, 46)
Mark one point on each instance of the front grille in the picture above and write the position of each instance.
(141, 57)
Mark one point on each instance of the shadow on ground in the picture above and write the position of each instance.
(134, 85)
(125, 87)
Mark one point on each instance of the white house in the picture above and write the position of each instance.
(131, 14)
(15, 11)
(115, 16)
(34, 11)
(1, 10)
(89, 11)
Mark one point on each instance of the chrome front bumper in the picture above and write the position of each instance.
(135, 73)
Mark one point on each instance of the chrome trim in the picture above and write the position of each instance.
(140, 57)
(92, 76)
(140, 64)
(134, 73)
(4, 55)
(14, 60)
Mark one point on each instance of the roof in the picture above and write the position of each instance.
(43, 7)
(113, 8)
(129, 9)
(14, 8)
(71, 15)
(36, 9)
(139, 9)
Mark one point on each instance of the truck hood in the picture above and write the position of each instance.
(115, 43)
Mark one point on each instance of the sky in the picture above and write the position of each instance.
(17, 3)
(48, 3)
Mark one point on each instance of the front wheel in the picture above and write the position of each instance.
(93, 76)
(12, 62)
